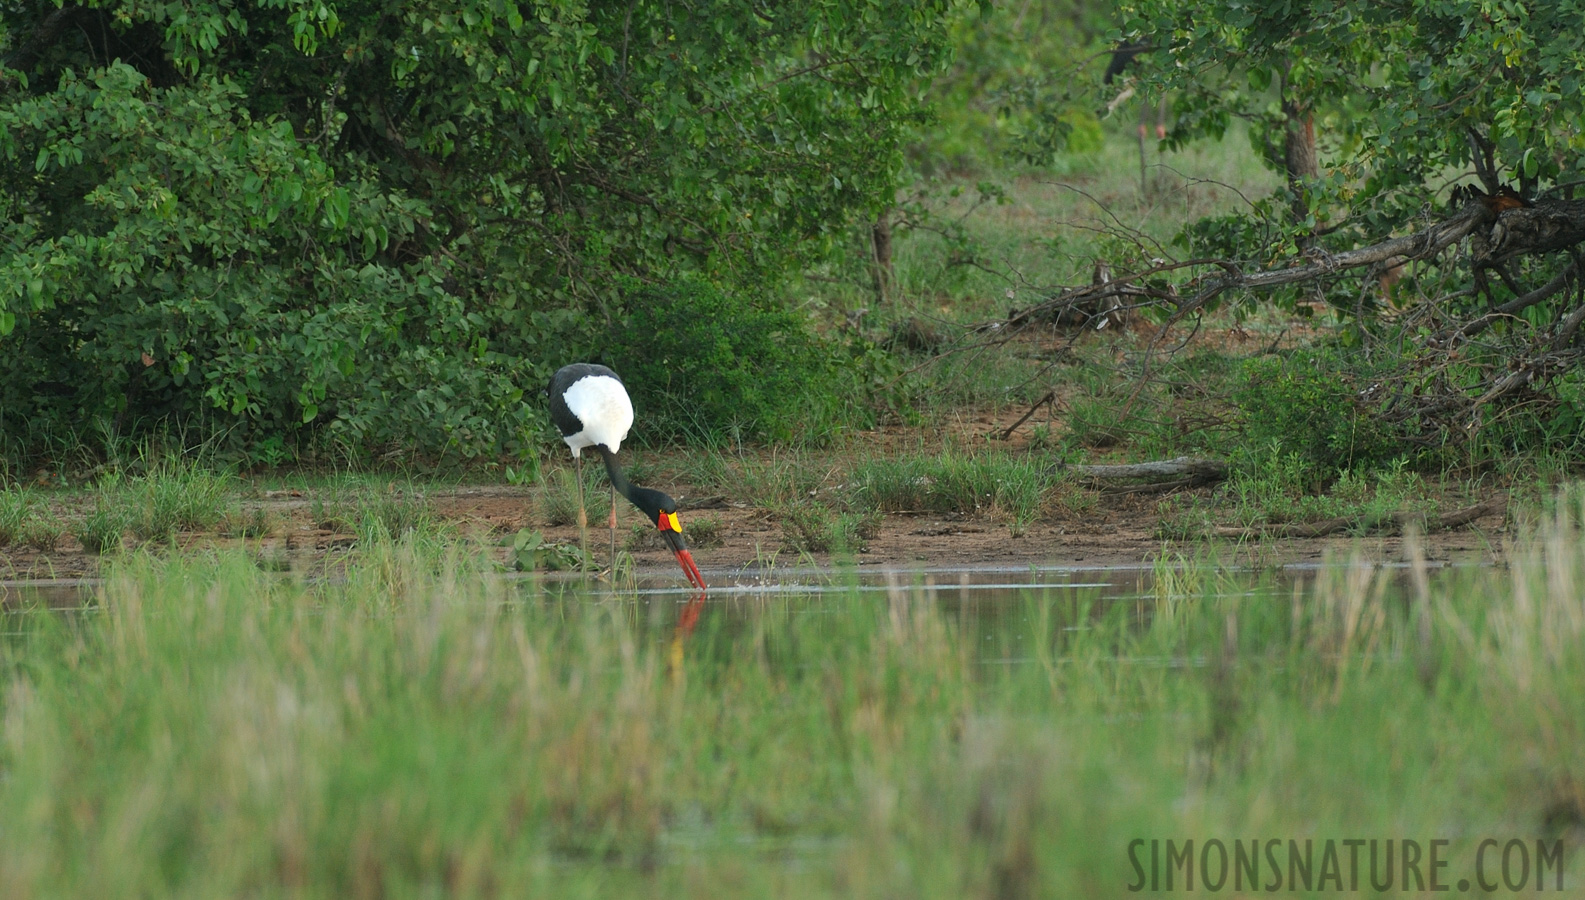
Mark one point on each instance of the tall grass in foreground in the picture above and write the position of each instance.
(423, 730)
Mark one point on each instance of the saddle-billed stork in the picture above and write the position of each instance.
(591, 409)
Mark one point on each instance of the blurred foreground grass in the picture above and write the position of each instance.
(425, 729)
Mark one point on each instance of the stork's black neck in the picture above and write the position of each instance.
(651, 502)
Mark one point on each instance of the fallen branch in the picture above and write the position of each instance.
(1454, 519)
(1154, 487)
(1509, 309)
(1291, 529)
(1409, 248)
(1189, 467)
(1049, 397)
(1490, 507)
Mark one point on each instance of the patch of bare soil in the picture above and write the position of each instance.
(1119, 530)
(1111, 530)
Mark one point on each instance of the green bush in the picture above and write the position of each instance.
(1307, 403)
(705, 364)
(203, 266)
(339, 230)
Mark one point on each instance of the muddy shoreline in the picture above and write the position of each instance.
(1116, 531)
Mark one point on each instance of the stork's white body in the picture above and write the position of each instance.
(603, 408)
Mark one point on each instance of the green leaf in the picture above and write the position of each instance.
(337, 208)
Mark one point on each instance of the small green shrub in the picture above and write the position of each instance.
(816, 528)
(1307, 403)
(531, 552)
(705, 364)
(100, 531)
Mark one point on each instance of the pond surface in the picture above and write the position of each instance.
(987, 584)
(997, 600)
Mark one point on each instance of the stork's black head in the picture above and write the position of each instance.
(662, 513)
(654, 504)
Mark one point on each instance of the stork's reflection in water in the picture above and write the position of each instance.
(687, 620)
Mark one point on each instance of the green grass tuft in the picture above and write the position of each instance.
(17, 507)
(557, 497)
(42, 533)
(245, 523)
(101, 529)
(176, 494)
(1001, 486)
(816, 528)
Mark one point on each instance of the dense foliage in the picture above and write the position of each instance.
(1399, 94)
(709, 366)
(1011, 91)
(1307, 404)
(1398, 117)
(297, 221)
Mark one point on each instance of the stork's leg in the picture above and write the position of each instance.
(583, 517)
(613, 529)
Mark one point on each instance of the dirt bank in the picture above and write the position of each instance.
(1115, 530)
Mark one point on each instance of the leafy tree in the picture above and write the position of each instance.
(1400, 92)
(298, 220)
(1010, 92)
(1432, 153)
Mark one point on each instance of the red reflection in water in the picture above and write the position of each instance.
(686, 620)
(689, 617)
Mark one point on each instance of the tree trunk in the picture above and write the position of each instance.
(881, 244)
(1144, 119)
(1299, 160)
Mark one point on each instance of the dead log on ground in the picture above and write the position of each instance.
(1185, 471)
(1456, 518)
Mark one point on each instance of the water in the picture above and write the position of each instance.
(50, 593)
(1000, 602)
(987, 584)
(1013, 615)
(981, 588)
